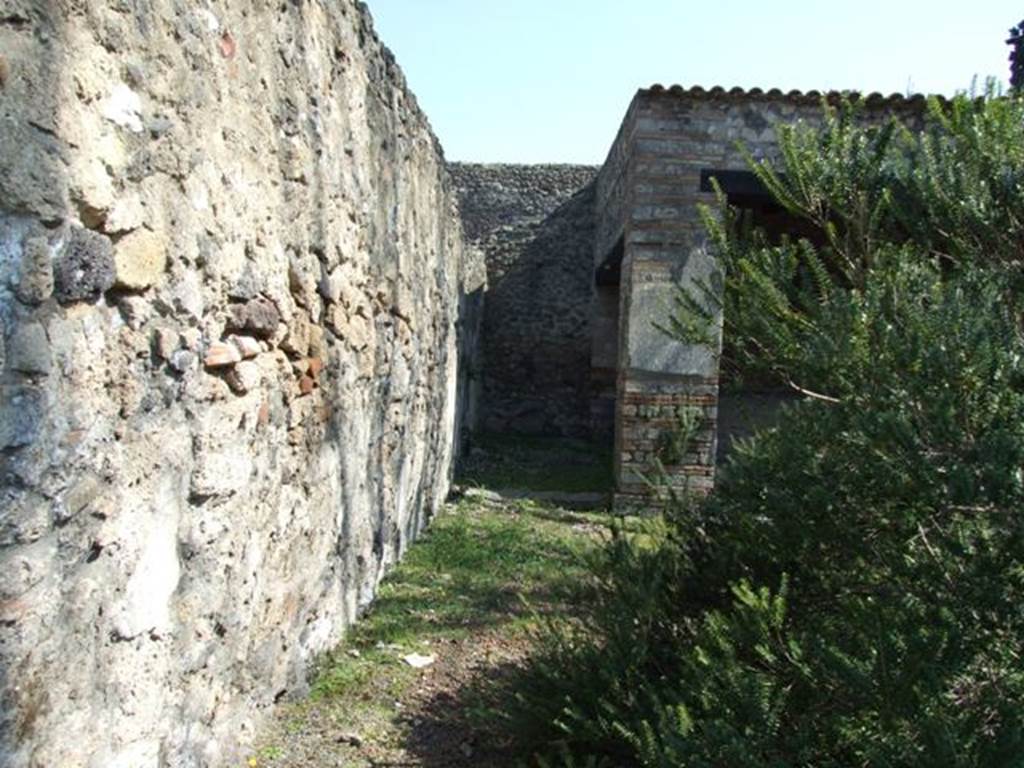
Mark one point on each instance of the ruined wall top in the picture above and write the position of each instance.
(494, 195)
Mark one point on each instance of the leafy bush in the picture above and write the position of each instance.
(853, 593)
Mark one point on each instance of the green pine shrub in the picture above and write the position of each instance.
(853, 593)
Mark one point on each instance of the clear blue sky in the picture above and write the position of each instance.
(550, 80)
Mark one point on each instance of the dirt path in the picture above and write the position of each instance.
(429, 725)
(467, 598)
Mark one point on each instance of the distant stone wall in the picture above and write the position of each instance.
(234, 298)
(535, 227)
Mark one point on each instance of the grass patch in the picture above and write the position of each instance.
(477, 567)
(537, 464)
(470, 589)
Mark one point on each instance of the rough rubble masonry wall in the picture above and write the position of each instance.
(535, 226)
(230, 286)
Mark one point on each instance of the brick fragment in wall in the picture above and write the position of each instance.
(221, 354)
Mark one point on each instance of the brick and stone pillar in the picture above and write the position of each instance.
(662, 381)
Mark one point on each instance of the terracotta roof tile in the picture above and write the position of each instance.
(872, 100)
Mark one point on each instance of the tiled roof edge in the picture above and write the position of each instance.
(718, 93)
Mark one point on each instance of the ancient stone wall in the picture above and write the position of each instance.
(535, 226)
(231, 282)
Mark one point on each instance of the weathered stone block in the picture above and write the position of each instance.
(136, 310)
(81, 495)
(223, 466)
(123, 107)
(247, 346)
(166, 342)
(258, 316)
(317, 346)
(297, 340)
(183, 361)
(145, 606)
(296, 161)
(28, 350)
(192, 338)
(93, 191)
(140, 258)
(21, 416)
(245, 377)
(355, 330)
(35, 281)
(125, 215)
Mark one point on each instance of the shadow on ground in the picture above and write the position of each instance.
(535, 465)
(464, 726)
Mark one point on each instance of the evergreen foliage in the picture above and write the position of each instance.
(853, 593)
